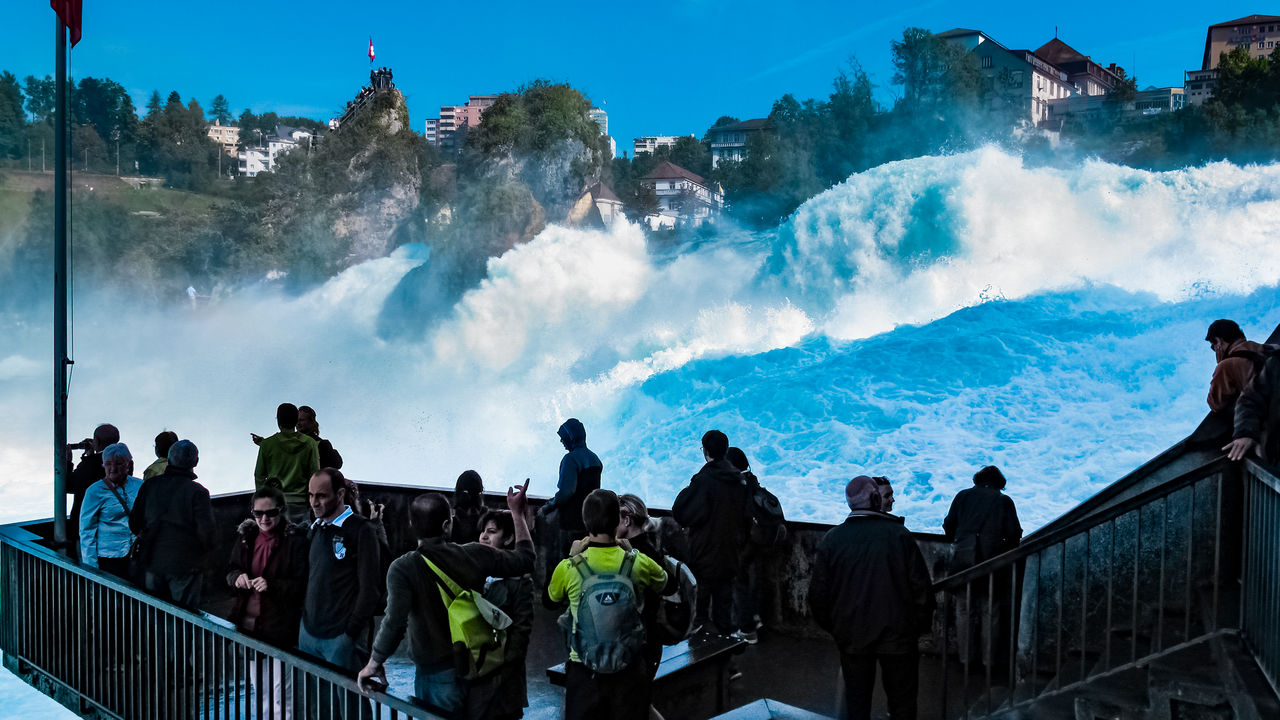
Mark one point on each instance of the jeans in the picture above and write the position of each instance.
(340, 651)
(899, 674)
(440, 689)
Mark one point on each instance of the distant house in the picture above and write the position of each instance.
(729, 142)
(1020, 79)
(597, 207)
(1088, 76)
(683, 197)
(650, 143)
(1151, 101)
(227, 136)
(263, 157)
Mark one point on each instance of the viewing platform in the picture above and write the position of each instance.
(1157, 598)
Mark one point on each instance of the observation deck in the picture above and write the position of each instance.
(1157, 598)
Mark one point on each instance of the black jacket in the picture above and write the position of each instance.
(173, 512)
(329, 456)
(1258, 410)
(579, 474)
(413, 595)
(871, 588)
(286, 575)
(344, 577)
(986, 515)
(714, 509)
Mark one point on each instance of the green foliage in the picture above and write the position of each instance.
(220, 110)
(40, 97)
(12, 125)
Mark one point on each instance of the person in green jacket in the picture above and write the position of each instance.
(291, 457)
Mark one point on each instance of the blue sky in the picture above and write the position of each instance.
(657, 68)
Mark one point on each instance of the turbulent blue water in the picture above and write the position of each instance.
(919, 321)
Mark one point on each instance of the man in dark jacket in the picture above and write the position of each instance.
(292, 458)
(714, 509)
(173, 520)
(344, 578)
(871, 590)
(1257, 414)
(87, 472)
(982, 521)
(579, 474)
(415, 602)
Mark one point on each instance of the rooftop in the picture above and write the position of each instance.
(668, 170)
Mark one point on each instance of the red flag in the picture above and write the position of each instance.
(69, 11)
(370, 46)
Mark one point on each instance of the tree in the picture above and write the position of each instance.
(220, 109)
(12, 143)
(691, 155)
(40, 98)
(1247, 82)
(933, 72)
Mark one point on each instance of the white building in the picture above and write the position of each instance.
(683, 197)
(263, 158)
(431, 131)
(650, 143)
(1020, 79)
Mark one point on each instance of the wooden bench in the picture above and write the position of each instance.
(704, 652)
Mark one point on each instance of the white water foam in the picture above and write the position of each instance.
(826, 348)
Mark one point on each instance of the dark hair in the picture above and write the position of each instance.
(164, 441)
(1226, 330)
(504, 521)
(307, 409)
(632, 506)
(353, 490)
(737, 458)
(337, 481)
(106, 434)
(600, 512)
(469, 487)
(881, 480)
(271, 490)
(428, 513)
(715, 444)
(287, 416)
(990, 476)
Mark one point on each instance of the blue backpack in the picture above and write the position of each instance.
(607, 634)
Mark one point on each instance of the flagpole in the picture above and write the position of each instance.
(60, 270)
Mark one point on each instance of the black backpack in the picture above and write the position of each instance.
(768, 525)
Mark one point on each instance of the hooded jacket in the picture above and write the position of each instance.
(173, 511)
(579, 474)
(1233, 374)
(871, 587)
(280, 606)
(293, 458)
(714, 509)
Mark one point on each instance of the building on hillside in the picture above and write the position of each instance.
(227, 136)
(264, 156)
(456, 117)
(729, 142)
(650, 143)
(430, 131)
(1259, 33)
(1016, 79)
(597, 207)
(601, 119)
(683, 197)
(1152, 101)
(1082, 72)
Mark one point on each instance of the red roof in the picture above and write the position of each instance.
(669, 170)
(600, 191)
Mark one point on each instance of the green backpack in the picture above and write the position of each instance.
(477, 627)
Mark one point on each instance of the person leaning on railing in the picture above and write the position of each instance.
(1257, 416)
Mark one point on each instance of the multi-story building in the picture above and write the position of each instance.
(1258, 33)
(1151, 101)
(683, 197)
(1019, 79)
(729, 142)
(650, 143)
(431, 131)
(456, 117)
(601, 119)
(1082, 72)
(228, 136)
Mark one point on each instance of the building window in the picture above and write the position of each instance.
(986, 61)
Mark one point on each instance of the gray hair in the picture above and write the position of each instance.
(116, 451)
(184, 454)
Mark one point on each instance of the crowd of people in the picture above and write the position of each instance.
(310, 569)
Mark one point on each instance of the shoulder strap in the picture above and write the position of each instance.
(1254, 357)
(121, 498)
(579, 563)
(448, 588)
(628, 561)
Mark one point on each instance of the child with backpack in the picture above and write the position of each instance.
(603, 583)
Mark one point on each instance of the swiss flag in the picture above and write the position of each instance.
(69, 11)
(370, 43)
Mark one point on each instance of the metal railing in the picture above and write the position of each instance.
(1260, 594)
(1151, 575)
(105, 648)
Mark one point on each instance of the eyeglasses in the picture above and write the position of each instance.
(273, 512)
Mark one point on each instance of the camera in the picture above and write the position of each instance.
(85, 445)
